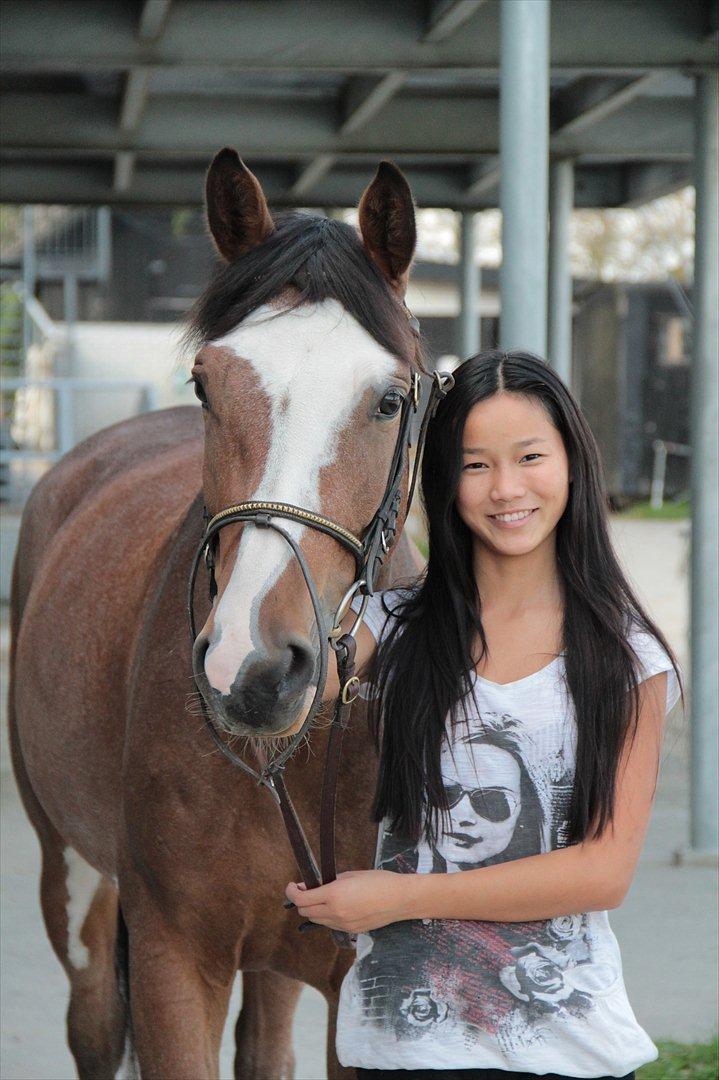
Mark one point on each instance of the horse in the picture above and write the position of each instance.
(163, 866)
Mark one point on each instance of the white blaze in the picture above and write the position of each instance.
(81, 883)
(314, 364)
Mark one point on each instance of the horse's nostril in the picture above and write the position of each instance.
(300, 666)
(199, 651)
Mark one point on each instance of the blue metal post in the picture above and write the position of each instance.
(561, 203)
(470, 273)
(705, 476)
(524, 149)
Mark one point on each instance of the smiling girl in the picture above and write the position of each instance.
(517, 694)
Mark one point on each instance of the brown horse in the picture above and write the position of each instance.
(152, 843)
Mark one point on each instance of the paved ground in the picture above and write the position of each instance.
(667, 927)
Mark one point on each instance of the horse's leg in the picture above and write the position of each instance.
(335, 1071)
(79, 907)
(179, 993)
(263, 1033)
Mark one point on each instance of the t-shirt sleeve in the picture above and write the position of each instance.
(379, 608)
(654, 659)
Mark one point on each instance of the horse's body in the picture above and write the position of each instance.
(127, 793)
(113, 768)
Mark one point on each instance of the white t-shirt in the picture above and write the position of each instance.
(536, 996)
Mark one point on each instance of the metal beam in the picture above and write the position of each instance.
(587, 101)
(469, 325)
(86, 180)
(524, 97)
(483, 178)
(365, 97)
(311, 174)
(352, 36)
(572, 111)
(705, 478)
(561, 204)
(648, 181)
(153, 19)
(653, 129)
(123, 169)
(134, 98)
(447, 16)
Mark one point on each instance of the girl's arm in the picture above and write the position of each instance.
(590, 876)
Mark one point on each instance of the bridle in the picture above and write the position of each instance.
(369, 553)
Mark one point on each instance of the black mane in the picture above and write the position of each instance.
(319, 258)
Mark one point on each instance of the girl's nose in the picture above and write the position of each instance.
(508, 484)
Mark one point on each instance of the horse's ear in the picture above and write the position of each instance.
(237, 211)
(386, 221)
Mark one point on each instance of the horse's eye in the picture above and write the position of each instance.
(391, 403)
(200, 392)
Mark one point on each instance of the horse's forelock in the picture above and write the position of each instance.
(306, 259)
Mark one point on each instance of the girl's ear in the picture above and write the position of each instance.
(237, 211)
(387, 225)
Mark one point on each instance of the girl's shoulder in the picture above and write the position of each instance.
(652, 659)
(382, 607)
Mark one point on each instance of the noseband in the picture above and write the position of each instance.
(369, 554)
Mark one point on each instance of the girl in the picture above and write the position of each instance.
(517, 695)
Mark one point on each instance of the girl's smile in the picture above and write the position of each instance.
(514, 520)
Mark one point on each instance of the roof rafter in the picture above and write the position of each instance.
(447, 16)
(180, 183)
(312, 173)
(364, 98)
(151, 25)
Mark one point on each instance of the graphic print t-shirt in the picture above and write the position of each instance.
(537, 996)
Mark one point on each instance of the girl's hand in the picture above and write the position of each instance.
(358, 901)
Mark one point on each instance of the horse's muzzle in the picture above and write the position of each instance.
(269, 693)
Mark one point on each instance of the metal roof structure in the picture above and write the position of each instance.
(126, 101)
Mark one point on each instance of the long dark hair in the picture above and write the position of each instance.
(421, 674)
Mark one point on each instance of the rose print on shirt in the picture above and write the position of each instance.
(420, 1008)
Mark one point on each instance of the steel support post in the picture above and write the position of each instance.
(524, 148)
(470, 274)
(29, 273)
(705, 475)
(561, 203)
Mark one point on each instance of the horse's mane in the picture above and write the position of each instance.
(310, 258)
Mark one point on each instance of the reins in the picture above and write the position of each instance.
(369, 554)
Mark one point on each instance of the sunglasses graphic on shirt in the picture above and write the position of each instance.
(491, 804)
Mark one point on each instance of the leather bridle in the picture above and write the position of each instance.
(369, 554)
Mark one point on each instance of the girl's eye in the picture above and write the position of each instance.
(476, 465)
(391, 403)
(200, 392)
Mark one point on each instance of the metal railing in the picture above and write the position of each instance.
(662, 449)
(64, 390)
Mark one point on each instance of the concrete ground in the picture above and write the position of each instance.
(667, 927)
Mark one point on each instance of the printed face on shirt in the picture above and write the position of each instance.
(483, 817)
(514, 460)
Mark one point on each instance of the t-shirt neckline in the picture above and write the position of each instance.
(518, 682)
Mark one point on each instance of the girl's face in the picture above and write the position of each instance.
(513, 460)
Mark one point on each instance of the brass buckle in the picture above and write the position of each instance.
(352, 684)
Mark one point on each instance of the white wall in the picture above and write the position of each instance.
(148, 352)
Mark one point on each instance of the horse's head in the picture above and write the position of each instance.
(306, 357)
